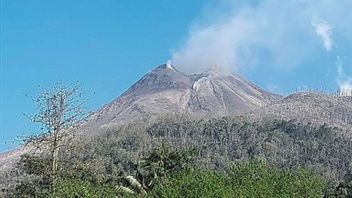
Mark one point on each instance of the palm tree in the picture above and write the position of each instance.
(160, 162)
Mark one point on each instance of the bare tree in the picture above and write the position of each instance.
(60, 113)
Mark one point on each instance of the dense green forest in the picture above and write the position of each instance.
(228, 157)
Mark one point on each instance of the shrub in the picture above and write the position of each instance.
(251, 179)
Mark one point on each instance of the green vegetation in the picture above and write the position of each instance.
(251, 179)
(79, 188)
(176, 177)
(77, 179)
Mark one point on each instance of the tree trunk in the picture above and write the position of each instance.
(54, 161)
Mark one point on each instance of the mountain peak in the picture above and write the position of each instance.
(167, 66)
(165, 90)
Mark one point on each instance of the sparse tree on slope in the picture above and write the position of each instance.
(60, 111)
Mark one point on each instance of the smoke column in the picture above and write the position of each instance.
(237, 34)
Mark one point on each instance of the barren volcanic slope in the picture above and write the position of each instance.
(165, 90)
(310, 107)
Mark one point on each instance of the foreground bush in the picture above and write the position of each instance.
(79, 188)
(243, 180)
(167, 172)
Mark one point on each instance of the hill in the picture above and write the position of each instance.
(310, 107)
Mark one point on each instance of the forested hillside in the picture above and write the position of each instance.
(218, 142)
(216, 145)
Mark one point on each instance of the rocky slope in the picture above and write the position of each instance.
(165, 90)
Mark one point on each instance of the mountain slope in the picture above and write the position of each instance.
(310, 107)
(165, 90)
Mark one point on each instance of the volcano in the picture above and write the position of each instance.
(168, 91)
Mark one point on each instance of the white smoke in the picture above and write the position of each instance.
(343, 80)
(237, 34)
(214, 46)
(324, 31)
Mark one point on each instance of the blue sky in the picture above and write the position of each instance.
(108, 45)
